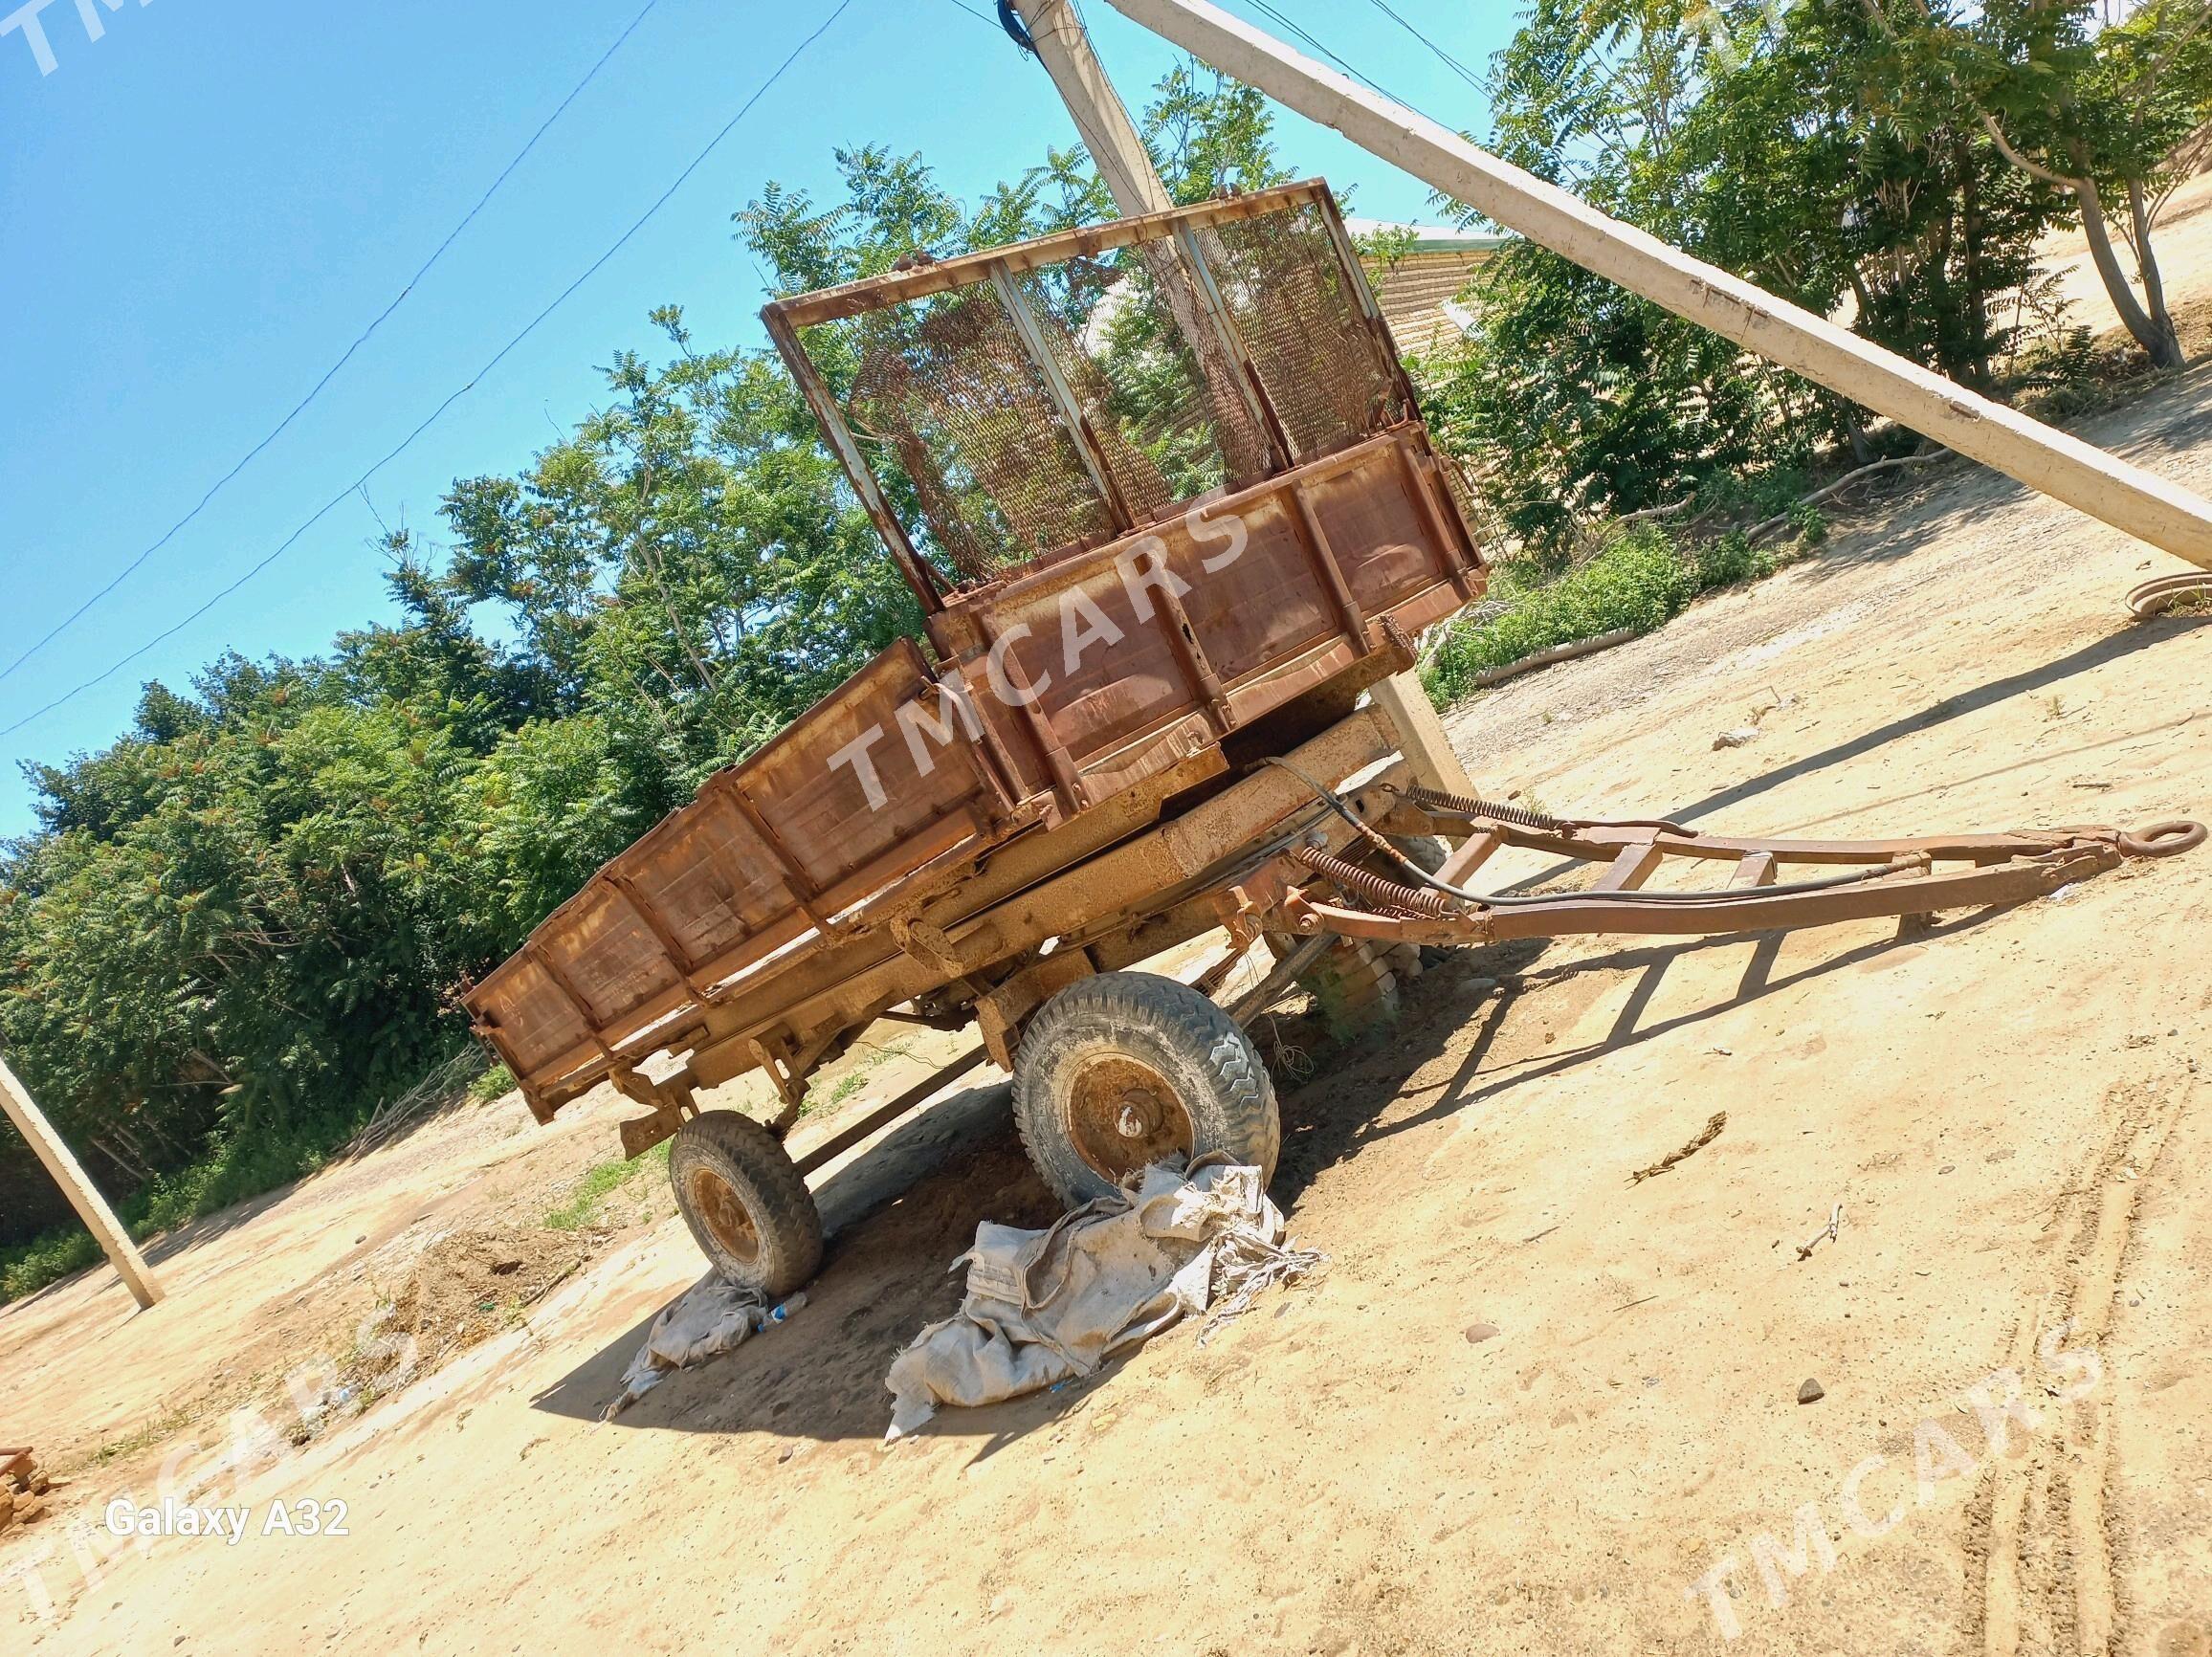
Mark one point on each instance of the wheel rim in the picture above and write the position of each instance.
(1123, 1115)
(722, 1212)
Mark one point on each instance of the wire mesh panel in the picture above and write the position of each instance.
(947, 389)
(1290, 299)
(1022, 409)
(1159, 382)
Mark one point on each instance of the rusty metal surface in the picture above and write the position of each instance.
(722, 1211)
(1145, 527)
(763, 861)
(1883, 878)
(762, 866)
(1259, 631)
(1041, 399)
(1121, 1114)
(1291, 296)
(1113, 860)
(942, 275)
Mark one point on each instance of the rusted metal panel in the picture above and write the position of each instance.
(706, 873)
(760, 863)
(1092, 645)
(1015, 910)
(521, 1011)
(1269, 606)
(1382, 539)
(607, 957)
(910, 763)
(1088, 689)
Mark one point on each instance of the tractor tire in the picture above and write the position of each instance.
(1124, 1069)
(1426, 852)
(746, 1201)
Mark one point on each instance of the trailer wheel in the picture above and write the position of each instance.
(1426, 852)
(1124, 1069)
(747, 1206)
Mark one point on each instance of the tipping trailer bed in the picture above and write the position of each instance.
(1207, 626)
(1161, 493)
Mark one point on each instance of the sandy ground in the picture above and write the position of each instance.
(2010, 1111)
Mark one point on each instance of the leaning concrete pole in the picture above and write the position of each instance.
(2065, 467)
(1102, 122)
(90, 1207)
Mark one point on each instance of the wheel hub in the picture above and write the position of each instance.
(1124, 1116)
(722, 1212)
(1140, 1114)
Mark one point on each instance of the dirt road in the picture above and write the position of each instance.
(2011, 1111)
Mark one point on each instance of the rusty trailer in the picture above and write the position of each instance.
(1162, 496)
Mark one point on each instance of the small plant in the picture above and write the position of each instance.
(1810, 524)
(1639, 582)
(495, 1083)
(600, 1182)
(822, 1098)
(30, 1266)
(142, 1437)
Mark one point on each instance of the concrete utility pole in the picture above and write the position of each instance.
(2065, 467)
(90, 1207)
(1103, 123)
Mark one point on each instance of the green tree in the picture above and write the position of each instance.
(1769, 142)
(2087, 109)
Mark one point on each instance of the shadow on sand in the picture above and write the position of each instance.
(901, 1213)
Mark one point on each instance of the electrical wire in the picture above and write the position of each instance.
(1445, 57)
(430, 419)
(328, 374)
(1282, 22)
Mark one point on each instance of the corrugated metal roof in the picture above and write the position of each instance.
(1419, 292)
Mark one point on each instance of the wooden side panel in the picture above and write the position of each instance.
(872, 764)
(526, 1017)
(765, 855)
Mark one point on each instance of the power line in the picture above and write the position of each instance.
(330, 373)
(991, 22)
(1449, 62)
(1283, 22)
(328, 506)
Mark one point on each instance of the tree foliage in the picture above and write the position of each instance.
(1862, 158)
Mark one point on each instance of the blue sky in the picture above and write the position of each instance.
(200, 209)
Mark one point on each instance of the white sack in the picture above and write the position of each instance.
(1043, 1306)
(709, 1320)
